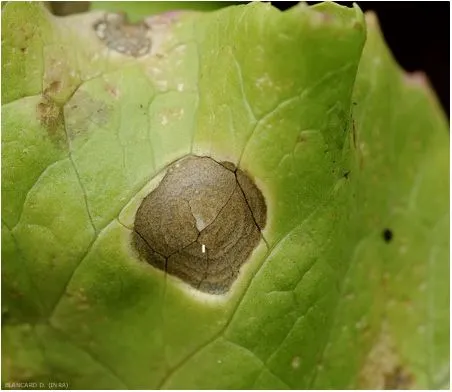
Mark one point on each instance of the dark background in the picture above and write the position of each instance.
(418, 35)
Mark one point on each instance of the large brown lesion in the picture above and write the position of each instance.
(199, 205)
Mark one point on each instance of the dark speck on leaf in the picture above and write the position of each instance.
(387, 235)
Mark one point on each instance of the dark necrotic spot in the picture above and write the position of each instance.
(132, 39)
(201, 223)
(387, 235)
(398, 378)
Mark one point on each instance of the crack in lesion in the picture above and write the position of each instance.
(222, 163)
(219, 211)
(261, 234)
(149, 245)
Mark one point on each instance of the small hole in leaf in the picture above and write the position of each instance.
(388, 235)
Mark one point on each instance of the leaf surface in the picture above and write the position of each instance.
(348, 287)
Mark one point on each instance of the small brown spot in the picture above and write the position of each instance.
(50, 116)
(302, 138)
(357, 25)
(53, 88)
(113, 91)
(398, 379)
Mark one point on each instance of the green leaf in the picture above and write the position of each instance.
(349, 286)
